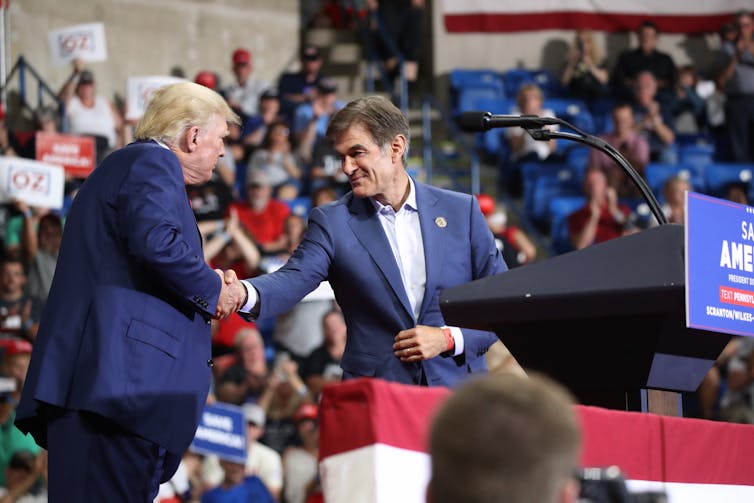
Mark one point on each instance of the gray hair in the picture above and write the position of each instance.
(376, 114)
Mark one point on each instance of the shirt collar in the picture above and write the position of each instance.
(160, 143)
(409, 203)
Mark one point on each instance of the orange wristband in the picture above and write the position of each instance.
(450, 343)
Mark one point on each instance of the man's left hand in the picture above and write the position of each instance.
(419, 343)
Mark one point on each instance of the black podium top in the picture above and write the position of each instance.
(610, 317)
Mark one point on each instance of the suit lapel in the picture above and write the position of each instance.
(368, 230)
(432, 220)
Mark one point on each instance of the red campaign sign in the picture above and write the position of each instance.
(74, 153)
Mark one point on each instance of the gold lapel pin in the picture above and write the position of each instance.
(440, 222)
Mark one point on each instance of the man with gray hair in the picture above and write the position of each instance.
(388, 248)
(120, 369)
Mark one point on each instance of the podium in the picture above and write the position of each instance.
(607, 321)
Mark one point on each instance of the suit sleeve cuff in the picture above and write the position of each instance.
(251, 297)
(457, 335)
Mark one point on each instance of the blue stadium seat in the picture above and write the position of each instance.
(514, 78)
(466, 77)
(656, 174)
(559, 209)
(468, 85)
(573, 111)
(718, 175)
(577, 158)
(700, 155)
(469, 97)
(602, 114)
(496, 105)
(549, 83)
(542, 182)
(683, 139)
(493, 143)
(300, 206)
(565, 106)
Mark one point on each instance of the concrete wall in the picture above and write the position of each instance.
(149, 37)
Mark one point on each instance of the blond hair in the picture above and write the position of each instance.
(174, 108)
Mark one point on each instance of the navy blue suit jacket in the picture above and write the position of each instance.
(125, 331)
(346, 244)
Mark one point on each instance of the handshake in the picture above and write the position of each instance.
(233, 294)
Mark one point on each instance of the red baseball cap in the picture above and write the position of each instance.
(16, 346)
(486, 204)
(241, 57)
(207, 79)
(306, 411)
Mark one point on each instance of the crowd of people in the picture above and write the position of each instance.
(252, 214)
(651, 109)
(653, 102)
(278, 164)
(274, 369)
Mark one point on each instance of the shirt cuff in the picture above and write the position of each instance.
(251, 296)
(457, 335)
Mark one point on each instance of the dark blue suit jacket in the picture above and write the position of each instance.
(125, 330)
(346, 244)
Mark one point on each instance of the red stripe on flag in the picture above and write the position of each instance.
(707, 452)
(363, 412)
(602, 21)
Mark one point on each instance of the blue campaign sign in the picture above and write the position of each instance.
(719, 265)
(221, 431)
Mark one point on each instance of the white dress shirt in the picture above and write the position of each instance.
(403, 232)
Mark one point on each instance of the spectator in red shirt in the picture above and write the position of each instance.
(263, 216)
(602, 217)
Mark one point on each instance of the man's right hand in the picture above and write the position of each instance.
(232, 294)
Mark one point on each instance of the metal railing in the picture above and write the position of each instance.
(460, 141)
(22, 69)
(365, 24)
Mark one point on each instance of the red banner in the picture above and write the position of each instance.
(75, 153)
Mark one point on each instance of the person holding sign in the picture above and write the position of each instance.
(87, 113)
(121, 366)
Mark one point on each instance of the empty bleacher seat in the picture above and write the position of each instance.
(514, 78)
(656, 174)
(718, 175)
(698, 154)
(559, 209)
(549, 83)
(694, 139)
(541, 183)
(602, 114)
(577, 158)
(467, 85)
(475, 77)
(469, 97)
(573, 111)
(493, 143)
(300, 206)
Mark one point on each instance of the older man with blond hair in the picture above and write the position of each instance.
(120, 369)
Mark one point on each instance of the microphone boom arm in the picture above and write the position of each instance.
(612, 152)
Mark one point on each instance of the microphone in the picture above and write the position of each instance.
(482, 121)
